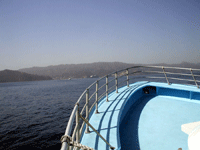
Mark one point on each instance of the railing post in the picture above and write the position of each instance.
(97, 86)
(127, 73)
(165, 75)
(194, 78)
(78, 126)
(116, 82)
(87, 110)
(107, 89)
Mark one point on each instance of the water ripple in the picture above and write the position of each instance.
(35, 114)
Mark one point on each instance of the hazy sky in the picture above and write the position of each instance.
(52, 32)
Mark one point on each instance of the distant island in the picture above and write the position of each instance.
(17, 76)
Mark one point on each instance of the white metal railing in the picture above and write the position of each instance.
(175, 74)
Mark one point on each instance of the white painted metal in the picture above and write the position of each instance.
(127, 74)
(87, 111)
(97, 86)
(193, 130)
(165, 75)
(69, 127)
(194, 78)
(116, 82)
(78, 127)
(107, 89)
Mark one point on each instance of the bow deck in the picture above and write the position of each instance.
(152, 122)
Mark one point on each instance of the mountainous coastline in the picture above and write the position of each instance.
(16, 76)
(97, 69)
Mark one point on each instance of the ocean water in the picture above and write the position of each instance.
(35, 114)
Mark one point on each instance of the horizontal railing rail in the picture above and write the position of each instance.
(112, 82)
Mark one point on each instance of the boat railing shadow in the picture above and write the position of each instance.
(128, 129)
(118, 98)
(122, 96)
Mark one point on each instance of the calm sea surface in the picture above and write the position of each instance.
(35, 114)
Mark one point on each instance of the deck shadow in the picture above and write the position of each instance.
(107, 121)
(130, 140)
(118, 98)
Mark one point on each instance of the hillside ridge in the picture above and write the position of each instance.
(17, 76)
(96, 69)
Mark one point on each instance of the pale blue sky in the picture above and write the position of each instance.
(52, 32)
